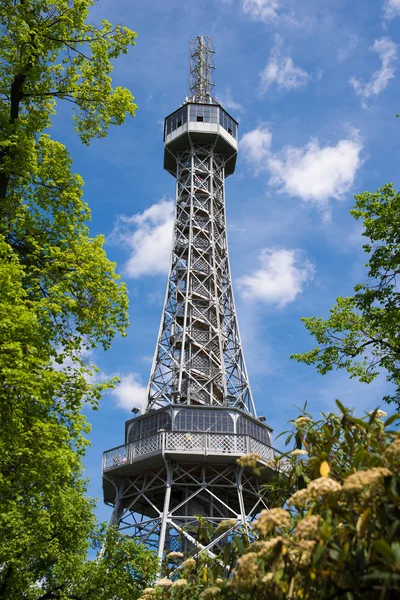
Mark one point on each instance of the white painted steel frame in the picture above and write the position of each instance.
(205, 490)
(199, 358)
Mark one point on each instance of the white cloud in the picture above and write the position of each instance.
(391, 9)
(280, 278)
(148, 237)
(345, 51)
(130, 392)
(387, 52)
(314, 173)
(261, 10)
(282, 71)
(255, 145)
(229, 103)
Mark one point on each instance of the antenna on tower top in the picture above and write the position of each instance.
(201, 68)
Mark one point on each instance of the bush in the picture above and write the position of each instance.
(333, 529)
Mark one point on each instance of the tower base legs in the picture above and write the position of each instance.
(163, 507)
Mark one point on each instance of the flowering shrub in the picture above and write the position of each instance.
(333, 527)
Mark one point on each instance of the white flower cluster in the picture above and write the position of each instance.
(249, 460)
(371, 477)
(308, 527)
(271, 520)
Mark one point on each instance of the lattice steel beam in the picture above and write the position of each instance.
(220, 494)
(199, 357)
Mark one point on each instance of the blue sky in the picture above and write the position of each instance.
(314, 85)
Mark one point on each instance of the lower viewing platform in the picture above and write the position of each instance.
(193, 436)
(186, 444)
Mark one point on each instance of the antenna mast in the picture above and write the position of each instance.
(201, 68)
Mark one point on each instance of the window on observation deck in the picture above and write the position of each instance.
(203, 113)
(149, 426)
(210, 421)
(228, 123)
(176, 120)
(247, 427)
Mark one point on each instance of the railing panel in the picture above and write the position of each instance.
(176, 440)
(226, 443)
(264, 451)
(181, 441)
(116, 457)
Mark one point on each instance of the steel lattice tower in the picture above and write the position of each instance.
(179, 459)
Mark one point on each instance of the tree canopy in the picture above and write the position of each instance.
(362, 333)
(60, 297)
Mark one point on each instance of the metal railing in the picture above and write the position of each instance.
(188, 442)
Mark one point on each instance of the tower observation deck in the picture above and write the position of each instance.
(179, 456)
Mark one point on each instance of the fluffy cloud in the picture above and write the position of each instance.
(280, 278)
(148, 237)
(346, 50)
(314, 173)
(391, 9)
(230, 103)
(282, 71)
(255, 145)
(130, 392)
(261, 10)
(387, 52)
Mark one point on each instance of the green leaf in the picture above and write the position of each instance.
(392, 419)
(342, 409)
(384, 549)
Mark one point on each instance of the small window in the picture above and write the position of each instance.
(229, 130)
(179, 123)
(199, 119)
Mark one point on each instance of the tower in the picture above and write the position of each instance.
(180, 455)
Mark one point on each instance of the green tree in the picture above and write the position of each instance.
(50, 54)
(46, 520)
(59, 298)
(362, 333)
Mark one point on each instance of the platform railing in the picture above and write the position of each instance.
(188, 442)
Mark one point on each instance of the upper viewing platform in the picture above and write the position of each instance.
(203, 124)
(200, 113)
(201, 120)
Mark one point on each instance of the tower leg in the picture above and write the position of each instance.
(118, 506)
(239, 473)
(164, 516)
(160, 506)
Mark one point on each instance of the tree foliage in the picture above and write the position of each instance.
(47, 523)
(362, 333)
(50, 54)
(60, 297)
